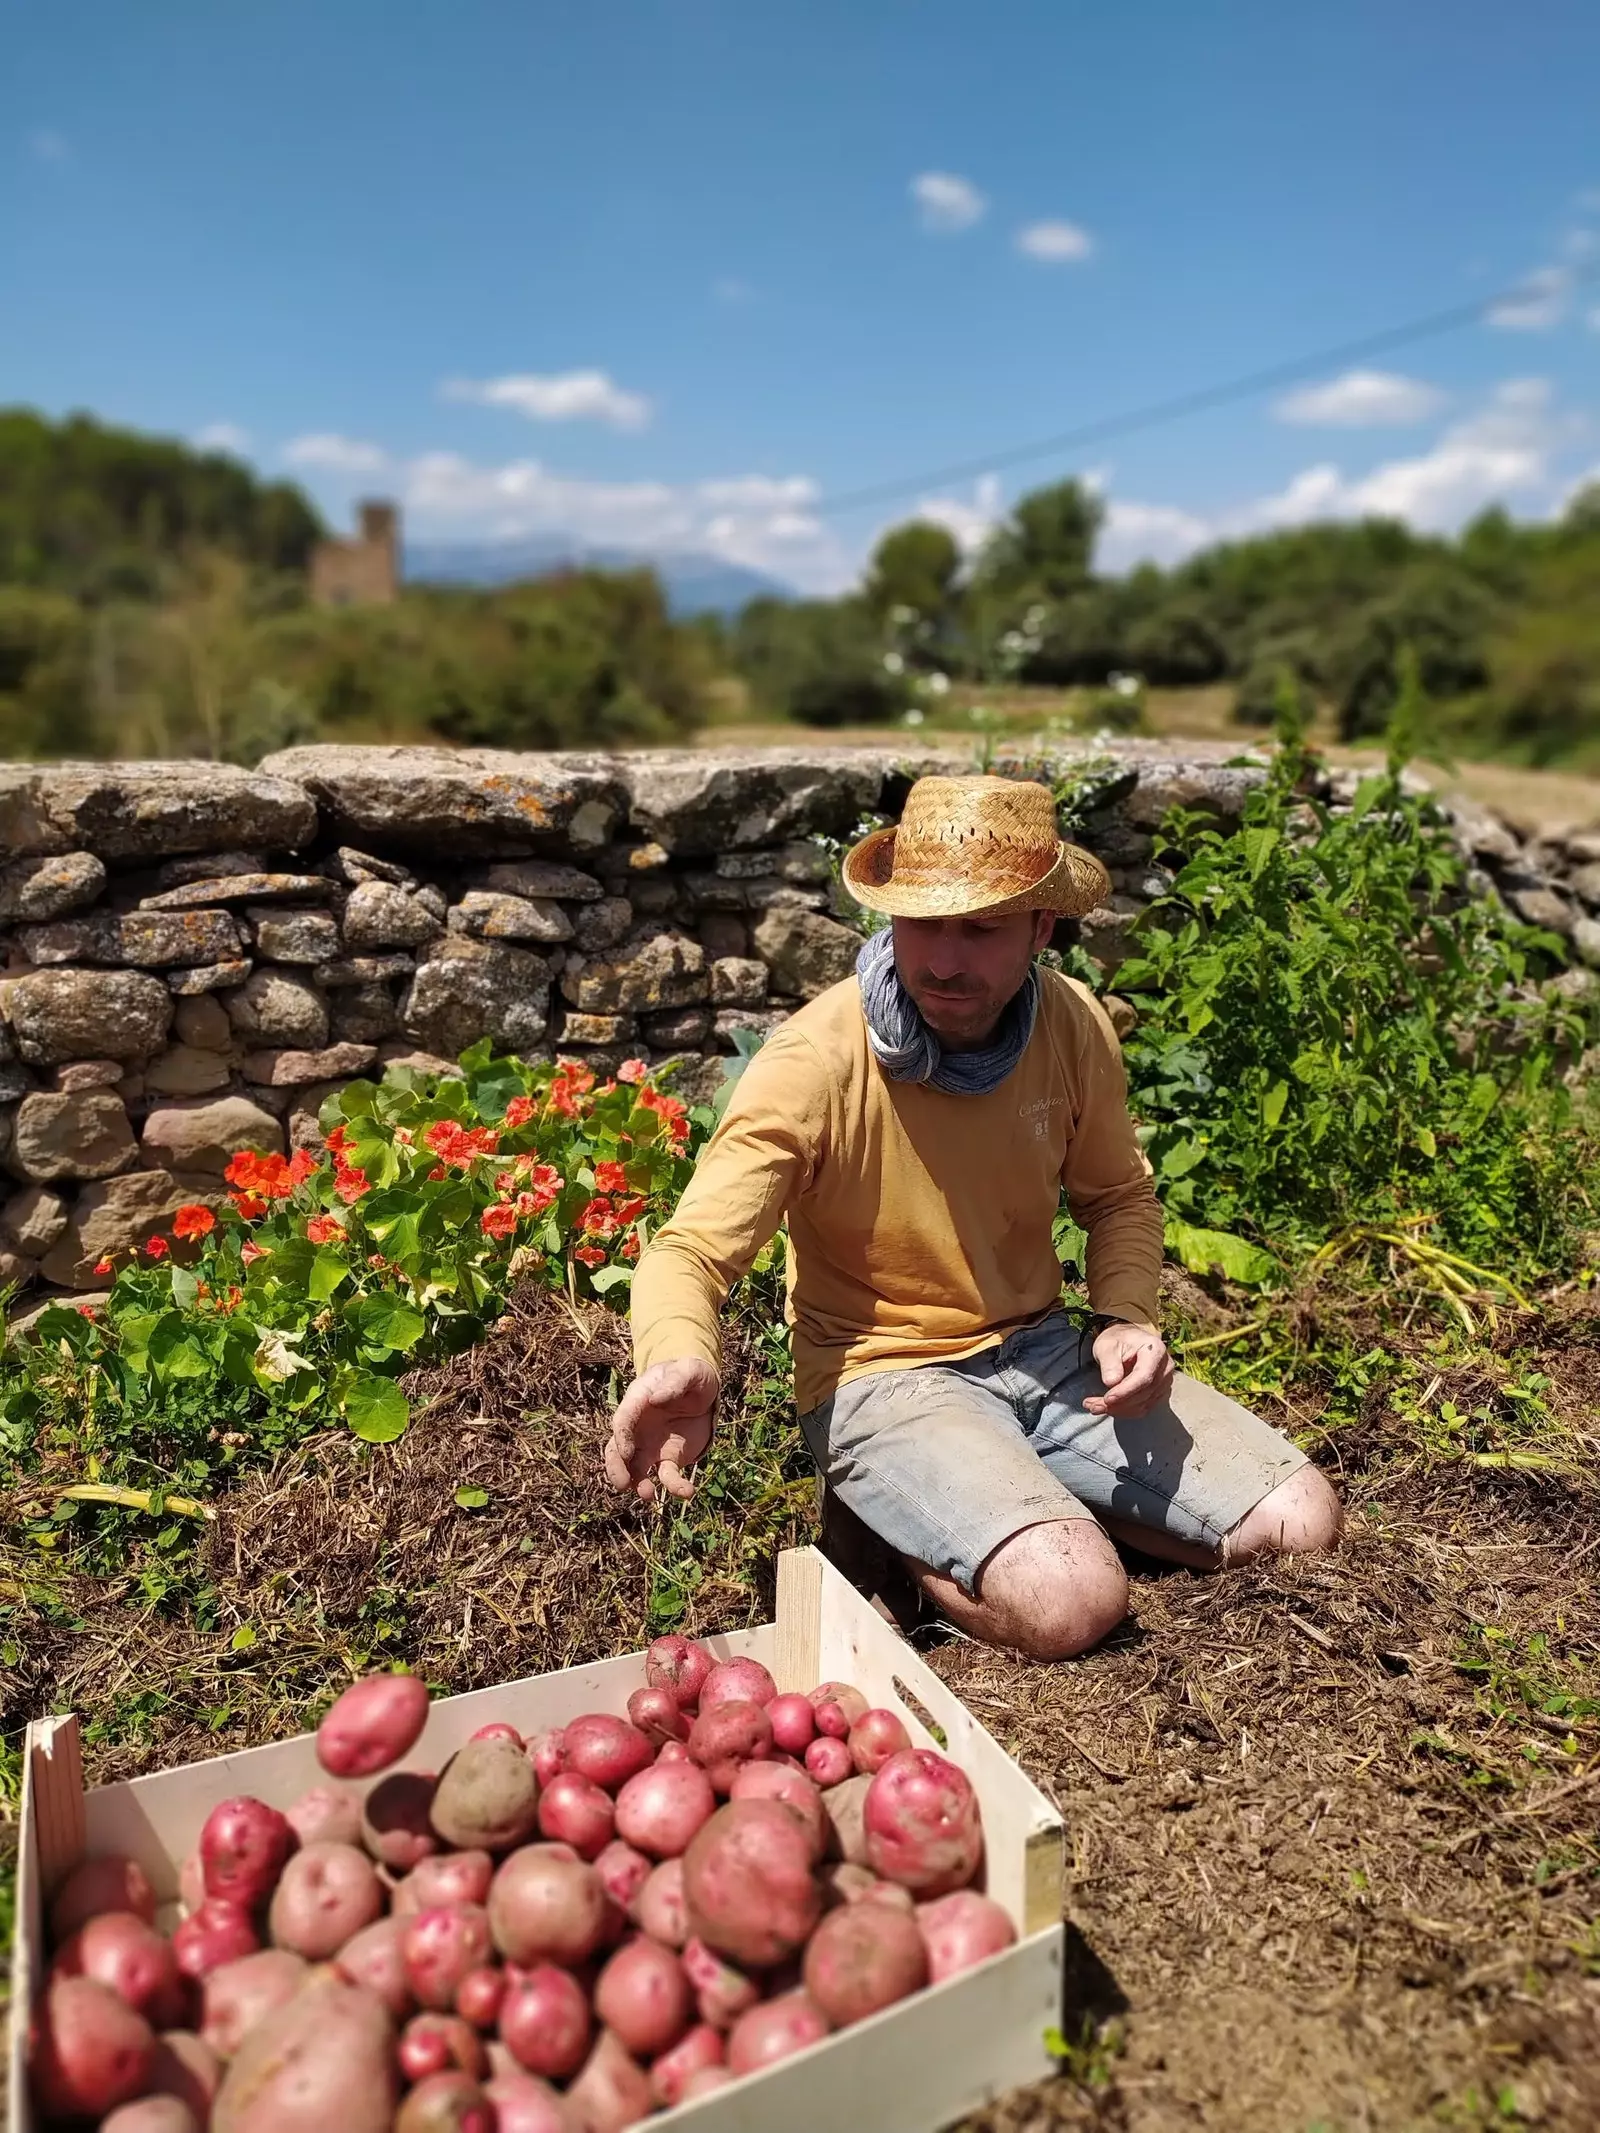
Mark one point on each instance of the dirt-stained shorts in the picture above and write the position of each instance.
(946, 1461)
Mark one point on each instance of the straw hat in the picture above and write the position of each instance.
(974, 844)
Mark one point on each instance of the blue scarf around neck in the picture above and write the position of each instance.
(908, 1050)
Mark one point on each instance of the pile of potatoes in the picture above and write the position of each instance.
(557, 1935)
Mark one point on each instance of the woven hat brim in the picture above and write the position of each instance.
(1075, 883)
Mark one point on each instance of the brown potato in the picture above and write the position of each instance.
(487, 1797)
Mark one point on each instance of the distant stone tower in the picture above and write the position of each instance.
(364, 572)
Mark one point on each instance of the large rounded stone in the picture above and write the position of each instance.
(271, 1008)
(114, 1219)
(32, 1221)
(84, 1134)
(470, 989)
(488, 915)
(186, 1070)
(148, 810)
(294, 936)
(88, 1014)
(380, 914)
(206, 1134)
(44, 888)
(460, 800)
(805, 952)
(650, 972)
(203, 1022)
(16, 1274)
(364, 1014)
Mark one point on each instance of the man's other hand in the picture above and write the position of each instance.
(1136, 1368)
(661, 1427)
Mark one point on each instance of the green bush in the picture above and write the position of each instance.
(823, 662)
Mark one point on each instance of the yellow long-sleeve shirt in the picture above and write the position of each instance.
(919, 1222)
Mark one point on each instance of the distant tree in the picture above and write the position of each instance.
(1044, 550)
(823, 662)
(1582, 515)
(914, 566)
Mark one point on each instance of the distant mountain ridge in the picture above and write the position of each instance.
(695, 583)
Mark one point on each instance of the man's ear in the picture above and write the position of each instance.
(1044, 925)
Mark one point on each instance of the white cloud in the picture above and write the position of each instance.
(1154, 533)
(1361, 399)
(332, 454)
(46, 145)
(565, 396)
(1055, 242)
(223, 437)
(946, 201)
(1540, 303)
(970, 521)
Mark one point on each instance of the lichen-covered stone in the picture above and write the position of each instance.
(677, 1028)
(600, 926)
(470, 989)
(209, 977)
(460, 801)
(186, 1070)
(738, 981)
(292, 1070)
(789, 862)
(144, 940)
(209, 866)
(694, 802)
(761, 1020)
(294, 936)
(1106, 933)
(86, 1074)
(488, 915)
(541, 877)
(363, 1014)
(805, 952)
(364, 970)
(204, 1135)
(148, 810)
(379, 914)
(88, 1014)
(650, 971)
(400, 1053)
(274, 1008)
(1212, 788)
(34, 889)
(32, 1220)
(112, 1220)
(84, 1134)
(723, 934)
(577, 1028)
(240, 889)
(347, 864)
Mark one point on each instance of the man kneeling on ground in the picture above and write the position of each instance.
(916, 1125)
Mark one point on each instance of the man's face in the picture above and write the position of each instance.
(962, 971)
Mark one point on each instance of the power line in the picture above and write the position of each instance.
(1155, 412)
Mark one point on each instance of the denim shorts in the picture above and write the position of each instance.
(945, 1461)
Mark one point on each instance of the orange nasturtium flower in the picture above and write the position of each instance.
(194, 1221)
(519, 1111)
(589, 1255)
(610, 1177)
(499, 1220)
(323, 1229)
(156, 1247)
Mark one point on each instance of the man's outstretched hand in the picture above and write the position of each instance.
(661, 1427)
(1136, 1368)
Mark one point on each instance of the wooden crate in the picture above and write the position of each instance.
(911, 2069)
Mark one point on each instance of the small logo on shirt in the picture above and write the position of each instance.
(1038, 1114)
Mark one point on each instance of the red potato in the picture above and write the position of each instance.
(643, 1996)
(237, 1995)
(838, 1705)
(375, 1958)
(117, 1948)
(499, 1729)
(435, 2043)
(722, 1993)
(108, 1883)
(660, 1809)
(845, 1805)
(659, 1908)
(673, 1751)
(218, 1933)
(728, 1734)
(922, 1824)
(243, 1845)
(191, 1885)
(547, 1905)
(573, 1810)
(325, 1815)
(829, 1761)
(326, 1894)
(658, 1716)
(680, 1666)
(373, 1724)
(775, 2030)
(446, 2103)
(487, 1798)
(323, 2063)
(695, 2050)
(547, 1754)
(525, 2104)
(705, 2081)
(186, 2067)
(606, 1750)
(774, 1781)
(748, 1883)
(152, 2114)
(737, 1681)
(794, 1723)
(544, 2021)
(479, 1994)
(623, 1870)
(395, 1824)
(961, 1930)
(88, 2051)
(612, 2091)
(444, 1877)
(874, 1737)
(439, 1947)
(862, 1957)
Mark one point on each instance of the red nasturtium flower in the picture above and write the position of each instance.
(250, 1205)
(323, 1229)
(630, 1209)
(632, 1070)
(499, 1220)
(195, 1221)
(102, 1266)
(250, 1252)
(519, 1111)
(350, 1183)
(302, 1165)
(629, 1247)
(589, 1255)
(156, 1247)
(610, 1177)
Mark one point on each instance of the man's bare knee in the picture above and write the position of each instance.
(1053, 1591)
(1301, 1516)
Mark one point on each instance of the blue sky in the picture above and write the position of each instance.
(670, 273)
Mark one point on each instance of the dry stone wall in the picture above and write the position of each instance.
(192, 955)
